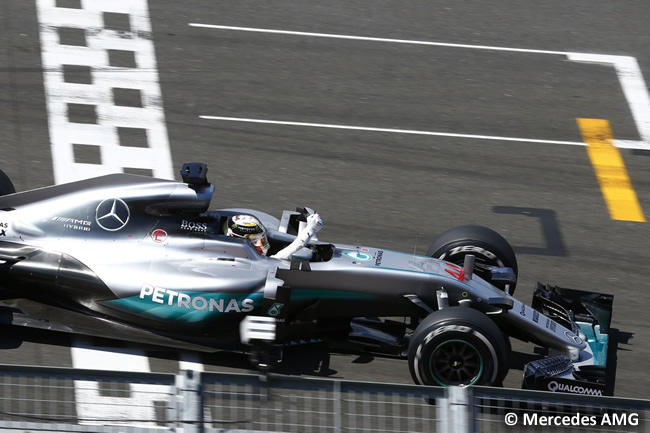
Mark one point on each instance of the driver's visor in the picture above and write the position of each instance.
(259, 240)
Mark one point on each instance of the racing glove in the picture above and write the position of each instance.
(313, 226)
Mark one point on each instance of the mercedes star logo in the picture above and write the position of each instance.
(112, 214)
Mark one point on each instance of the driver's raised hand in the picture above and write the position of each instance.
(314, 224)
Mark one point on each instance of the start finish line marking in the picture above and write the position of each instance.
(103, 97)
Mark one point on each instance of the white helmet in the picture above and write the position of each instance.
(249, 227)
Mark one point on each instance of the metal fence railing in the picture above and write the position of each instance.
(538, 411)
(60, 399)
(37, 399)
(296, 404)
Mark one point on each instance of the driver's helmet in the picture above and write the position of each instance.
(249, 227)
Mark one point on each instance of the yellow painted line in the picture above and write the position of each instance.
(608, 164)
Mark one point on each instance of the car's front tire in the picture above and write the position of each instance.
(458, 346)
(487, 246)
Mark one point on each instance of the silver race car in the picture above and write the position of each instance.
(144, 260)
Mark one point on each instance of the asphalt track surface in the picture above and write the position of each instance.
(388, 189)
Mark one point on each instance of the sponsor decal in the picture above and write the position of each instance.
(573, 337)
(472, 249)
(275, 309)
(356, 255)
(112, 214)
(181, 300)
(523, 310)
(554, 386)
(197, 227)
(247, 224)
(380, 254)
(158, 235)
(73, 223)
(448, 328)
(535, 316)
(457, 328)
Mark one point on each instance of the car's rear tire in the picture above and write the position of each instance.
(487, 246)
(458, 346)
(6, 186)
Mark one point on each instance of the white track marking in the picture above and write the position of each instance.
(635, 91)
(104, 133)
(394, 131)
(370, 39)
(190, 361)
(94, 408)
(627, 69)
(139, 72)
(85, 356)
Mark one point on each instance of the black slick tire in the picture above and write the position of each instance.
(458, 346)
(487, 246)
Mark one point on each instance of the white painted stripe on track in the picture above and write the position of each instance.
(635, 91)
(103, 134)
(627, 69)
(373, 39)
(85, 356)
(392, 131)
(190, 361)
(93, 408)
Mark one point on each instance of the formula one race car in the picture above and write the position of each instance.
(142, 259)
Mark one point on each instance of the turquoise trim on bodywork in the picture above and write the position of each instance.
(364, 257)
(597, 341)
(145, 306)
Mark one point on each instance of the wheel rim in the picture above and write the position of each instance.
(456, 363)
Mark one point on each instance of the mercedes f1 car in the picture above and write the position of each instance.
(145, 260)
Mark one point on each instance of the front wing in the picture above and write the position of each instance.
(589, 315)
